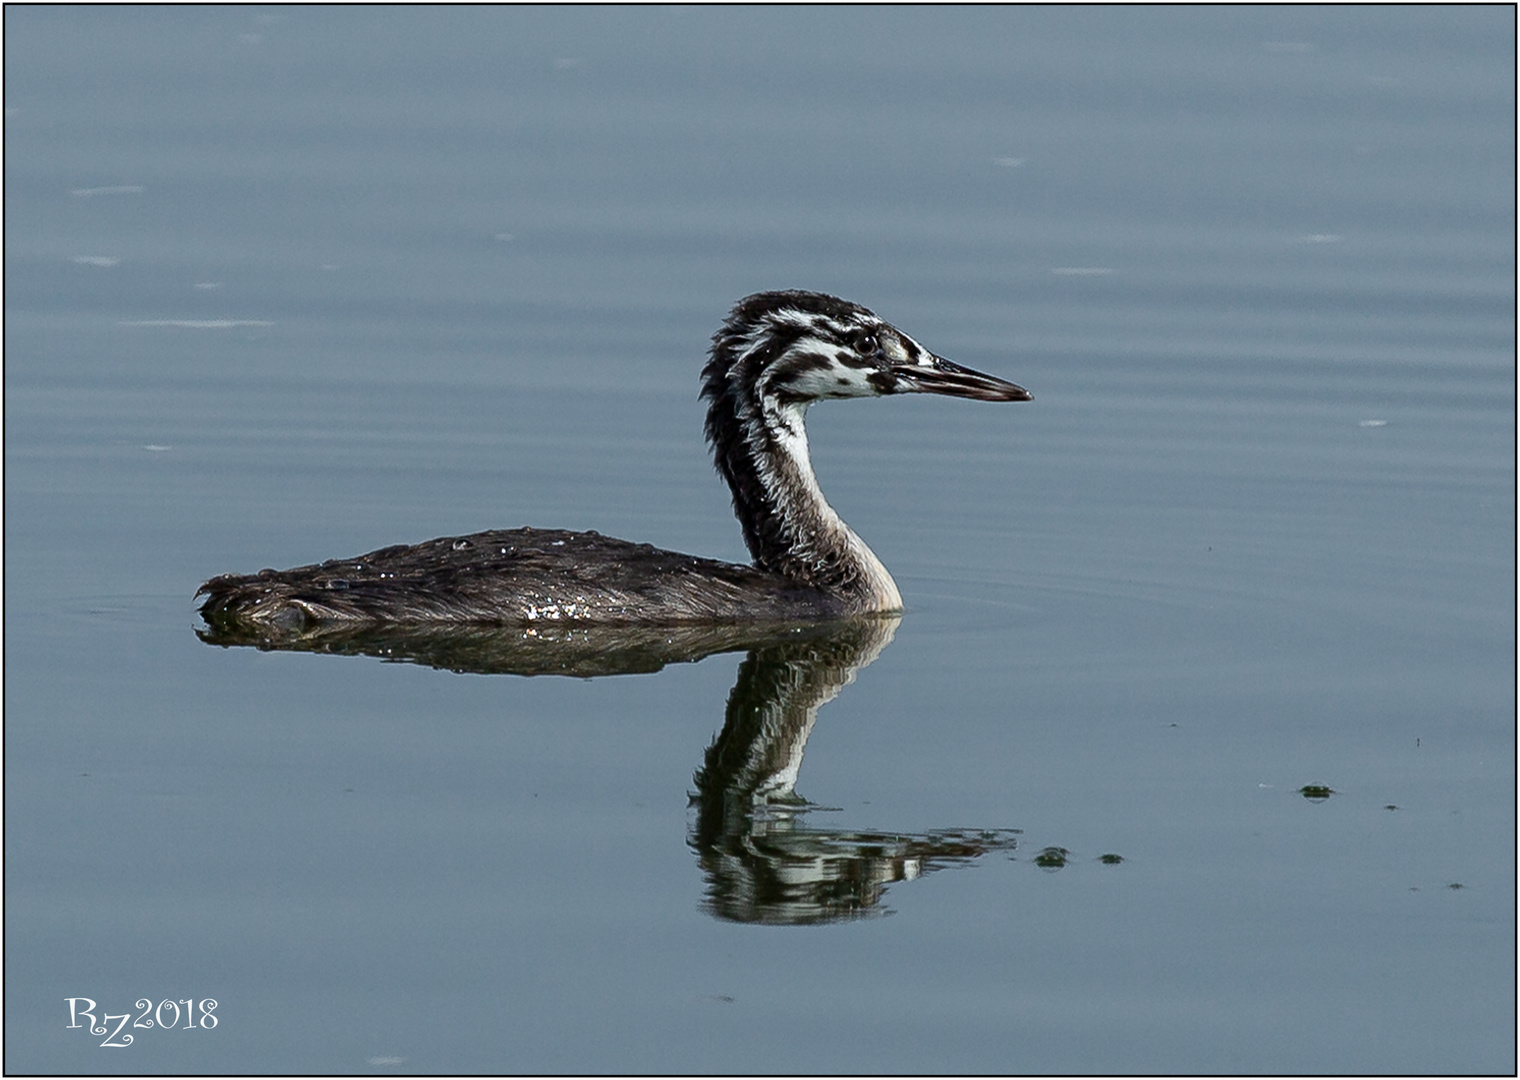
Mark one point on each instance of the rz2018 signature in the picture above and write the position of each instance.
(167, 1015)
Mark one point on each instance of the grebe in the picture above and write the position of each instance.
(776, 354)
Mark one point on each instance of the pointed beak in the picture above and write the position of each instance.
(944, 377)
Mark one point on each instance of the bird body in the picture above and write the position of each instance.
(514, 577)
(776, 354)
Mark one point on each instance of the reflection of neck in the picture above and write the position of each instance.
(771, 711)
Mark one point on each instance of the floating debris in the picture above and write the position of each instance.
(1052, 858)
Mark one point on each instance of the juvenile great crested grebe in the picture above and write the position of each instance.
(776, 354)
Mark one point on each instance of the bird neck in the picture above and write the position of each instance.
(760, 446)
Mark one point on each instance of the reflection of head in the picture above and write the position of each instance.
(781, 873)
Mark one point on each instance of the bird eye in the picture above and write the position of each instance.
(865, 343)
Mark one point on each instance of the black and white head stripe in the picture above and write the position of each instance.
(796, 348)
(800, 347)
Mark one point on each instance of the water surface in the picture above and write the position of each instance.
(293, 283)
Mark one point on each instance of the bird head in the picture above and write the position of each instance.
(796, 348)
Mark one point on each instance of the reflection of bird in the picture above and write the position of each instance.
(776, 354)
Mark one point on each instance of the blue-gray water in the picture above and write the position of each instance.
(292, 283)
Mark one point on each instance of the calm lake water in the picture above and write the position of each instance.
(1194, 750)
